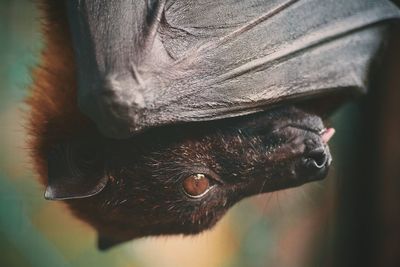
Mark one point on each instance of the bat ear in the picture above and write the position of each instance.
(105, 242)
(75, 170)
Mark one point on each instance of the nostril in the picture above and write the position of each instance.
(314, 164)
(316, 159)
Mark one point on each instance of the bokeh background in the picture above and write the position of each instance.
(349, 219)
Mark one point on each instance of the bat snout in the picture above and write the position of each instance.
(314, 164)
(300, 155)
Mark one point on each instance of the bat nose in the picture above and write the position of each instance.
(315, 162)
(316, 159)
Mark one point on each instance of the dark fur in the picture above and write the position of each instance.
(143, 195)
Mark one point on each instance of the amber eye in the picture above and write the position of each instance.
(196, 185)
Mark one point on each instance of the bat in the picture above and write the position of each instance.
(155, 117)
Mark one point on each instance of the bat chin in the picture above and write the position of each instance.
(198, 224)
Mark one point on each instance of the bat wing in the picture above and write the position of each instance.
(199, 60)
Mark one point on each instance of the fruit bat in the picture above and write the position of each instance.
(154, 117)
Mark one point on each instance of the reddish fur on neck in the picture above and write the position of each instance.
(54, 114)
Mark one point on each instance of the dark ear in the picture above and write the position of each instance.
(75, 170)
(105, 242)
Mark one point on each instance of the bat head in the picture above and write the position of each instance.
(182, 179)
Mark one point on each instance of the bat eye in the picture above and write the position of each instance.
(196, 185)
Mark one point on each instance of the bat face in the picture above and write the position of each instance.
(182, 179)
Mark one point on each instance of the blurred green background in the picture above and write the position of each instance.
(290, 228)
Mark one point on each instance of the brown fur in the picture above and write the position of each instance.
(54, 114)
